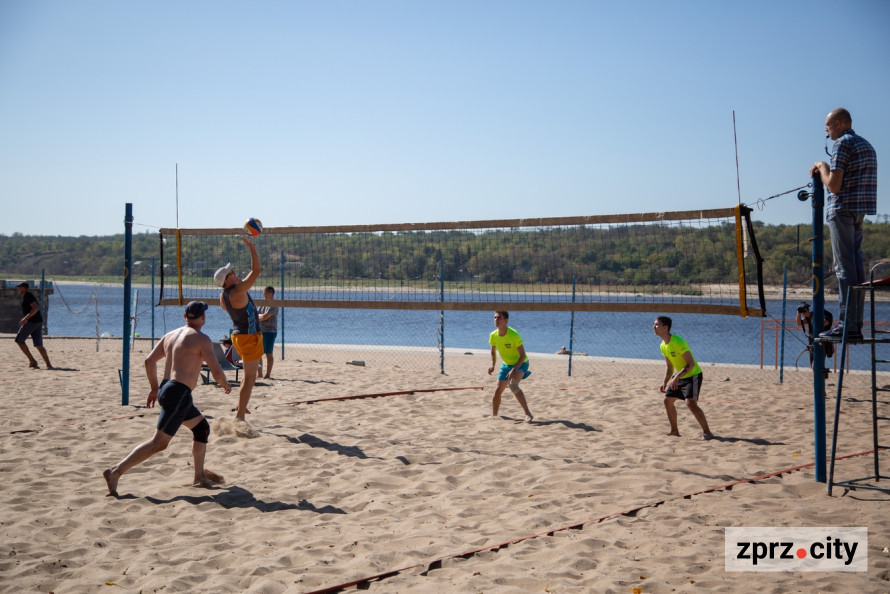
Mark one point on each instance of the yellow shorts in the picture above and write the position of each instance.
(249, 346)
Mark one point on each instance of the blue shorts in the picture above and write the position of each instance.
(176, 406)
(32, 329)
(506, 369)
(687, 388)
(269, 342)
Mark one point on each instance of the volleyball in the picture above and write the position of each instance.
(253, 227)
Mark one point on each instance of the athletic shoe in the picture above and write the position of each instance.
(836, 334)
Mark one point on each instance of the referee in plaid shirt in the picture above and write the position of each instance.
(852, 183)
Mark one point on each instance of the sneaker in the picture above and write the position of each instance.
(837, 334)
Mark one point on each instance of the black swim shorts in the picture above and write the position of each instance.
(688, 387)
(32, 329)
(176, 406)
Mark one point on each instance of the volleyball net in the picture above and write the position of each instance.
(669, 262)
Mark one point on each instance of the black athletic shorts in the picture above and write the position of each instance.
(176, 406)
(687, 388)
(32, 329)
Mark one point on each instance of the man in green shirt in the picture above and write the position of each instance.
(682, 378)
(508, 343)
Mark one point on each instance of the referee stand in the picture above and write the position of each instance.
(875, 338)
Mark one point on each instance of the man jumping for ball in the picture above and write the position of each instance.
(246, 336)
(682, 379)
(185, 349)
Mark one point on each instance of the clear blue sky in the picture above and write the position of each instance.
(390, 111)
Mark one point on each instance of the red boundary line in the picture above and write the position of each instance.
(41, 428)
(629, 512)
(382, 394)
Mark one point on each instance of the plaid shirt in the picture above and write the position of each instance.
(853, 155)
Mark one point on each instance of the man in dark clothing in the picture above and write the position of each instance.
(31, 325)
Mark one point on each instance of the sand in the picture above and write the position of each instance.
(419, 486)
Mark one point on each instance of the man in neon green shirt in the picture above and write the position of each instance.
(508, 343)
(682, 379)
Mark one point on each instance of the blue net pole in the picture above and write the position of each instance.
(152, 303)
(784, 303)
(281, 309)
(572, 327)
(128, 258)
(818, 324)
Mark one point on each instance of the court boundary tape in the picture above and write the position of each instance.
(41, 428)
(631, 512)
(382, 395)
(353, 397)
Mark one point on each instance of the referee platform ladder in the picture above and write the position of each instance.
(880, 419)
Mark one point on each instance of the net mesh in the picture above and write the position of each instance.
(696, 262)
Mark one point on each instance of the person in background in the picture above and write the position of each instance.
(31, 325)
(269, 327)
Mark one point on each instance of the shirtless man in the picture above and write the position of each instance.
(185, 350)
(246, 336)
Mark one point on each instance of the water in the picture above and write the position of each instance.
(713, 338)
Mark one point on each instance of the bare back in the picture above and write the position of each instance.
(184, 350)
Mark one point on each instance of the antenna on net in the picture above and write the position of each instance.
(735, 139)
(738, 181)
(177, 186)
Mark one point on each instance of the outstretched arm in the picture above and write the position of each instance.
(239, 293)
(255, 267)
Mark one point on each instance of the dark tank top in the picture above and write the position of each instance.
(245, 319)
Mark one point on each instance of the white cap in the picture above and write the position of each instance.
(222, 273)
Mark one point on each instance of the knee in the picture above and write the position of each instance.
(158, 446)
(201, 431)
(514, 387)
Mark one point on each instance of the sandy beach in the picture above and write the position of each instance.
(418, 490)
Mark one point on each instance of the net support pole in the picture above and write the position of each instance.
(128, 257)
(784, 303)
(442, 318)
(572, 326)
(818, 322)
(281, 309)
(152, 304)
(179, 263)
(43, 301)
